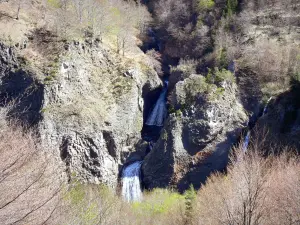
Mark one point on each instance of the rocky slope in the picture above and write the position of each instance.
(197, 137)
(89, 103)
(90, 108)
(281, 125)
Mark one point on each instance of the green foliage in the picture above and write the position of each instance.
(76, 194)
(43, 110)
(222, 58)
(48, 79)
(231, 7)
(224, 75)
(205, 4)
(196, 85)
(208, 85)
(171, 109)
(218, 76)
(159, 201)
(210, 78)
(220, 91)
(165, 135)
(51, 70)
(190, 196)
(54, 3)
(89, 202)
(121, 86)
(178, 113)
(199, 22)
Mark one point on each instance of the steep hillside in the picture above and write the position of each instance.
(149, 112)
(85, 99)
(77, 74)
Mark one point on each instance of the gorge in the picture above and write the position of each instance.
(132, 112)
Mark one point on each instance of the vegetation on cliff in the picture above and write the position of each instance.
(255, 190)
(80, 63)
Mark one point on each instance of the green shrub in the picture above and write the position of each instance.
(171, 109)
(158, 201)
(54, 3)
(205, 4)
(196, 85)
(178, 113)
(190, 196)
(224, 75)
(218, 76)
(231, 7)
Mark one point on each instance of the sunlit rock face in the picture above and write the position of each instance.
(90, 112)
(196, 138)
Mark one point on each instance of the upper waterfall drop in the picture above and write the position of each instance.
(159, 112)
(131, 188)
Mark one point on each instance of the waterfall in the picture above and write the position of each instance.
(131, 189)
(246, 141)
(247, 138)
(159, 112)
(266, 107)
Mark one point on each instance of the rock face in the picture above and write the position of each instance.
(94, 112)
(281, 123)
(90, 108)
(19, 86)
(196, 138)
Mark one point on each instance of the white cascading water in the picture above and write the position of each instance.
(159, 112)
(266, 107)
(131, 190)
(247, 138)
(246, 141)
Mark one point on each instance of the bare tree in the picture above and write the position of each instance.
(255, 190)
(30, 181)
(154, 61)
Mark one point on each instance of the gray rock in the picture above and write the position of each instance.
(196, 139)
(94, 113)
(281, 124)
(88, 112)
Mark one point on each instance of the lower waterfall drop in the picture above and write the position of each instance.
(131, 188)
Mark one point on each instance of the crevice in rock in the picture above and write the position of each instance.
(64, 154)
(110, 143)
